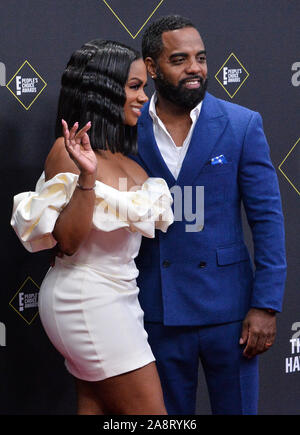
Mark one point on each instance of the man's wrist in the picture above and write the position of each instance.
(269, 310)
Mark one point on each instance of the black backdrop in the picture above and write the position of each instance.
(259, 39)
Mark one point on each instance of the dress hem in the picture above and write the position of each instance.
(134, 363)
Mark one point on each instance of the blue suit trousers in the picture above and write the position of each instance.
(232, 379)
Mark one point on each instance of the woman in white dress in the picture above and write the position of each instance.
(95, 203)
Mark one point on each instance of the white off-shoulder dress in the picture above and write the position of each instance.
(88, 302)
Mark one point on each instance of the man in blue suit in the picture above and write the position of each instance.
(201, 297)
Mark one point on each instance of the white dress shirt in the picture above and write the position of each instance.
(173, 155)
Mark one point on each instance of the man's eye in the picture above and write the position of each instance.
(202, 59)
(178, 60)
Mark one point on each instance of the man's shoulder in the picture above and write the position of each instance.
(229, 108)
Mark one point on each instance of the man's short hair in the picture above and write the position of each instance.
(152, 44)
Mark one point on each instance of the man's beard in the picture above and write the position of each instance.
(180, 95)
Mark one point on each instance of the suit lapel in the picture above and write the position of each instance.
(207, 131)
(148, 149)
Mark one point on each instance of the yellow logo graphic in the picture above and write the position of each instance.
(289, 167)
(232, 75)
(25, 301)
(110, 6)
(26, 85)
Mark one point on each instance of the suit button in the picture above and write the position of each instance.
(202, 264)
(166, 263)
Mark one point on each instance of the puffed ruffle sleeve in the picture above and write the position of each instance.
(144, 210)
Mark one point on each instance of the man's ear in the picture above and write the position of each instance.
(151, 66)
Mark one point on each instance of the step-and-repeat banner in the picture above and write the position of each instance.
(253, 59)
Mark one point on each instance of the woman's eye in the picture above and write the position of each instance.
(135, 87)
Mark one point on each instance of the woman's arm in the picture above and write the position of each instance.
(73, 153)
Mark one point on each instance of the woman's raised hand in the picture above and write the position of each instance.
(78, 146)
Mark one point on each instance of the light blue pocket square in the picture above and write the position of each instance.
(219, 160)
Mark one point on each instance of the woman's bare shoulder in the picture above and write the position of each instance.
(58, 160)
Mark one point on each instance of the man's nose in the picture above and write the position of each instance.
(193, 67)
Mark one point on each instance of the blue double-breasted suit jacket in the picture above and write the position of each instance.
(206, 277)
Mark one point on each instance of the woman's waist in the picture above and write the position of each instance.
(113, 269)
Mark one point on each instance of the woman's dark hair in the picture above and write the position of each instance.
(152, 44)
(93, 89)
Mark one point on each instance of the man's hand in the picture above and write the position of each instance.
(258, 332)
(55, 252)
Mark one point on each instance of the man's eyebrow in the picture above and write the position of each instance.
(183, 54)
(178, 55)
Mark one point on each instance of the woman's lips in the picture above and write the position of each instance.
(136, 110)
